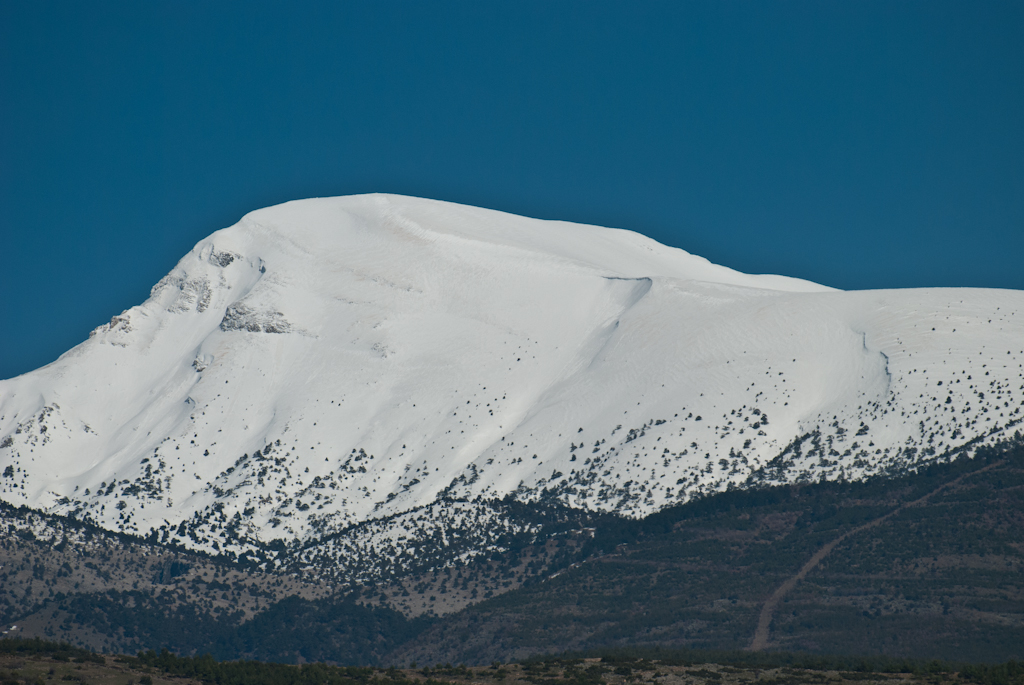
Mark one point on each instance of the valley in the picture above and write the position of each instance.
(33, 662)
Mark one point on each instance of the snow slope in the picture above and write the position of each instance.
(327, 362)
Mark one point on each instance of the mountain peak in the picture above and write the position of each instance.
(327, 362)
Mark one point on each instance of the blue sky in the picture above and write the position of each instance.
(858, 144)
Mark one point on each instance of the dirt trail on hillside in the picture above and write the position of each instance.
(762, 633)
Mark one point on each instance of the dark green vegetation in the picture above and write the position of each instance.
(940, 575)
(293, 629)
(939, 579)
(115, 593)
(30, 662)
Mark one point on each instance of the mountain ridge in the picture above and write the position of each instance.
(335, 361)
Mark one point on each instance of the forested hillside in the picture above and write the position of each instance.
(932, 568)
(924, 565)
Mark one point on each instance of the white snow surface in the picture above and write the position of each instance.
(327, 362)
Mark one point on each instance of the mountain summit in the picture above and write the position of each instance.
(329, 362)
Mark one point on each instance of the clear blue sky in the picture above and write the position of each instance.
(859, 144)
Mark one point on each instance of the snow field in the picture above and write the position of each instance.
(327, 363)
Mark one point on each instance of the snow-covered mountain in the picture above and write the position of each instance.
(328, 362)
